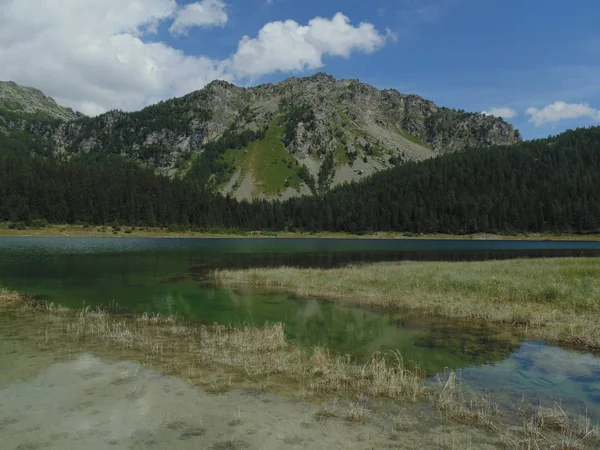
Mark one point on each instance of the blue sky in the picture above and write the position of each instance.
(535, 62)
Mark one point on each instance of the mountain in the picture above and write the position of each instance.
(276, 140)
(27, 101)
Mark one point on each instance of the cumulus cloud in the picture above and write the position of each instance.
(91, 55)
(207, 13)
(558, 111)
(288, 46)
(94, 55)
(504, 111)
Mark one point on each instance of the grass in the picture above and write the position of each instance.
(272, 164)
(262, 356)
(340, 155)
(557, 300)
(268, 161)
(410, 137)
(252, 352)
(569, 433)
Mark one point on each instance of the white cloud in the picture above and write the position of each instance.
(93, 55)
(558, 111)
(504, 111)
(288, 46)
(207, 13)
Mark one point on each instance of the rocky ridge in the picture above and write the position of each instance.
(27, 100)
(315, 128)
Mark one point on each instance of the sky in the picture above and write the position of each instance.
(536, 63)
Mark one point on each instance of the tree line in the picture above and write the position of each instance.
(546, 185)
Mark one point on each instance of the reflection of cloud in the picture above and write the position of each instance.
(234, 298)
(541, 372)
(546, 359)
(311, 308)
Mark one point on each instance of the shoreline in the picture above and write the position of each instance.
(155, 232)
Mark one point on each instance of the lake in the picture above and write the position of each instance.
(171, 276)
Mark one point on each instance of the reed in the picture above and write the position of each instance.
(252, 352)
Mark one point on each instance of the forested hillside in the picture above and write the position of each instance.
(548, 185)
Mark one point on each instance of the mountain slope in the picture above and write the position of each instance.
(545, 185)
(282, 139)
(26, 100)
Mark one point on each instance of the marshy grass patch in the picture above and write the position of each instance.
(327, 411)
(10, 299)
(554, 299)
(452, 440)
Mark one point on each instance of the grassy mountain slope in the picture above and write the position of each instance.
(278, 140)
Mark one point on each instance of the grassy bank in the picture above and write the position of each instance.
(67, 230)
(223, 358)
(557, 300)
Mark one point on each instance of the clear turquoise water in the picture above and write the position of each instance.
(169, 276)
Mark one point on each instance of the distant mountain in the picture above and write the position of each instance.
(30, 101)
(276, 140)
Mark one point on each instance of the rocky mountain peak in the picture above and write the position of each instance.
(274, 140)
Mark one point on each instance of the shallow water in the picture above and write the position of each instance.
(169, 276)
(543, 374)
(93, 404)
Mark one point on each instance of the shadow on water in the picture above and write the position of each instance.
(169, 276)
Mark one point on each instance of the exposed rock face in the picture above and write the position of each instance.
(324, 119)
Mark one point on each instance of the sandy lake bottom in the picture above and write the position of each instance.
(89, 403)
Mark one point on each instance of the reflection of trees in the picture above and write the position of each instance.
(201, 264)
(342, 329)
(473, 344)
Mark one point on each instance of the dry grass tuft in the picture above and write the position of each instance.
(553, 428)
(357, 413)
(253, 352)
(11, 299)
(475, 408)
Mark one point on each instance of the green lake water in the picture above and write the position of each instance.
(170, 276)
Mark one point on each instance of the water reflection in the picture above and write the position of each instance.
(346, 329)
(543, 374)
